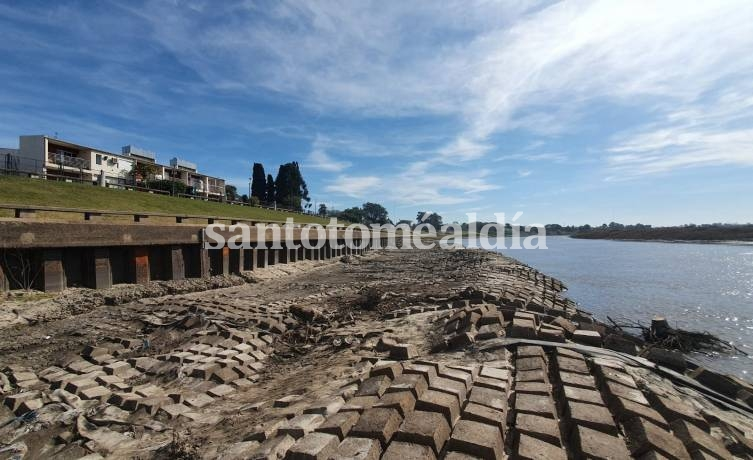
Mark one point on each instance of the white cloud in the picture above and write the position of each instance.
(354, 186)
(524, 172)
(463, 149)
(318, 159)
(493, 66)
(714, 133)
(418, 184)
(477, 68)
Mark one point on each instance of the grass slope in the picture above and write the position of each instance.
(36, 192)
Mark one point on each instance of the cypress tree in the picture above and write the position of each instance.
(291, 188)
(271, 192)
(259, 182)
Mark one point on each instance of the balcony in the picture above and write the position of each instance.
(216, 190)
(65, 159)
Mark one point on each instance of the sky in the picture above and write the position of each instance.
(569, 112)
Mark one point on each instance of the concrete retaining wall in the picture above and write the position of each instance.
(52, 256)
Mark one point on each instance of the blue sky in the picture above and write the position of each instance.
(571, 112)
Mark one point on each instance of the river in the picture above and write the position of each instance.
(700, 287)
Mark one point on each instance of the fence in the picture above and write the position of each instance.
(23, 211)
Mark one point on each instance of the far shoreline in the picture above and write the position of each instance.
(657, 240)
(636, 240)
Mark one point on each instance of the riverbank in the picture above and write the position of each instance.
(690, 233)
(414, 354)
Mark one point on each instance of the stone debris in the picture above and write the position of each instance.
(440, 365)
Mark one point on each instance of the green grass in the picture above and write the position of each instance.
(37, 192)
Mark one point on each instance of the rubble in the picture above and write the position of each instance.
(404, 354)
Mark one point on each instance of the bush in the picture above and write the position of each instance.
(174, 187)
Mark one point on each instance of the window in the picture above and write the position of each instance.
(98, 159)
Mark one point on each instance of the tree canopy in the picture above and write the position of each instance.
(271, 192)
(431, 218)
(259, 182)
(231, 192)
(353, 215)
(291, 189)
(374, 213)
(142, 172)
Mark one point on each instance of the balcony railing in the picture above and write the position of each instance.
(67, 160)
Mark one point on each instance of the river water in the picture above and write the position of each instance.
(700, 287)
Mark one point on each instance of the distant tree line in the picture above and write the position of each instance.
(688, 232)
(616, 230)
(288, 190)
(367, 214)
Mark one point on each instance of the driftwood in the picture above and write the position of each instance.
(661, 335)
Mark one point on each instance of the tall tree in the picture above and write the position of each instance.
(271, 192)
(323, 210)
(374, 213)
(259, 182)
(291, 188)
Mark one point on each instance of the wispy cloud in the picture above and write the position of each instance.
(716, 132)
(354, 186)
(531, 66)
(419, 183)
(318, 159)
(532, 156)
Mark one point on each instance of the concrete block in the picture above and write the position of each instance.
(543, 428)
(643, 436)
(491, 398)
(402, 401)
(530, 448)
(273, 448)
(374, 386)
(399, 450)
(339, 424)
(313, 446)
(443, 403)
(425, 428)
(592, 338)
(403, 351)
(13, 402)
(378, 423)
(358, 449)
(477, 439)
(487, 415)
(326, 407)
(592, 416)
(198, 401)
(591, 443)
(696, 439)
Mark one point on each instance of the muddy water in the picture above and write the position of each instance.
(705, 287)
